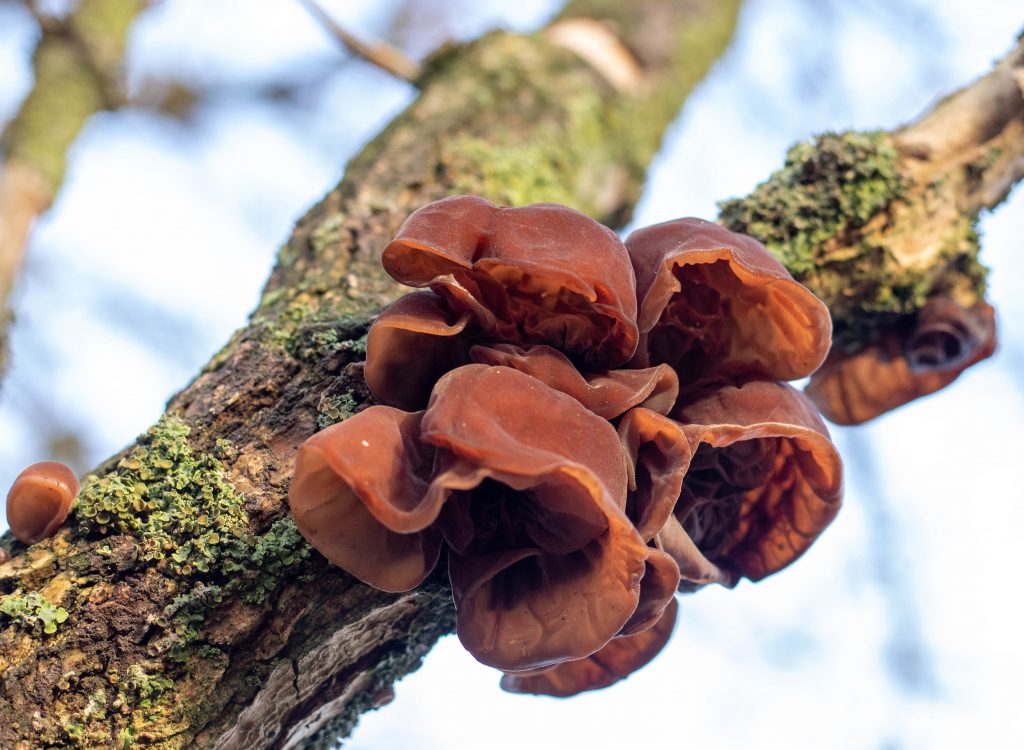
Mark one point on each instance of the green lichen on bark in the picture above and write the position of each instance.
(319, 340)
(165, 517)
(188, 518)
(826, 188)
(179, 507)
(33, 612)
(826, 216)
(335, 408)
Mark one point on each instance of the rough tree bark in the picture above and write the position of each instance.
(179, 608)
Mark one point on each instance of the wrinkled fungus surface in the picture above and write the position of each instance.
(619, 659)
(583, 427)
(713, 301)
(540, 274)
(904, 365)
(765, 480)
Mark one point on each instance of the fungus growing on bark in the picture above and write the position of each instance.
(764, 480)
(527, 488)
(574, 498)
(360, 496)
(711, 300)
(413, 343)
(40, 499)
(609, 394)
(659, 453)
(904, 365)
(539, 274)
(621, 657)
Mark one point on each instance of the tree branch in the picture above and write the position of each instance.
(876, 223)
(197, 616)
(386, 57)
(76, 65)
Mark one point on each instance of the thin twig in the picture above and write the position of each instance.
(384, 56)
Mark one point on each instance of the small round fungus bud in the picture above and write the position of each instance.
(4, 556)
(40, 499)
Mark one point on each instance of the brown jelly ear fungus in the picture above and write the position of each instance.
(609, 394)
(539, 274)
(411, 344)
(617, 660)
(579, 463)
(40, 499)
(525, 485)
(763, 483)
(906, 364)
(715, 302)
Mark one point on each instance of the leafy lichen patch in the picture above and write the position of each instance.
(180, 507)
(187, 518)
(334, 408)
(33, 612)
(827, 215)
(314, 343)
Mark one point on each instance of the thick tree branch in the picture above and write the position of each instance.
(876, 223)
(197, 617)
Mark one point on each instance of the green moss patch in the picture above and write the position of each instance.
(826, 187)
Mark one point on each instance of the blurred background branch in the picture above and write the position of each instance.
(77, 67)
(385, 56)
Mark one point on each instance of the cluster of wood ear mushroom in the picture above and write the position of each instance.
(583, 426)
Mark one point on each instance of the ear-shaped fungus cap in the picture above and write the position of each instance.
(545, 567)
(40, 499)
(616, 661)
(946, 340)
(713, 301)
(360, 495)
(609, 394)
(542, 273)
(411, 344)
(764, 481)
